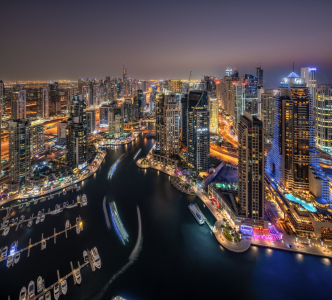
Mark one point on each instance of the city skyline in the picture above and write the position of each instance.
(44, 42)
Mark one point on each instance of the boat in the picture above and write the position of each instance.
(43, 245)
(17, 257)
(16, 220)
(67, 224)
(12, 221)
(84, 200)
(42, 218)
(31, 289)
(63, 286)
(78, 198)
(64, 192)
(48, 295)
(64, 204)
(10, 260)
(20, 206)
(39, 213)
(95, 257)
(6, 223)
(85, 255)
(56, 291)
(23, 293)
(77, 274)
(27, 204)
(13, 248)
(35, 202)
(41, 297)
(78, 229)
(4, 252)
(39, 284)
(5, 231)
(22, 218)
(196, 214)
(38, 220)
(30, 222)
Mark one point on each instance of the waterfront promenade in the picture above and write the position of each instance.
(297, 245)
(62, 186)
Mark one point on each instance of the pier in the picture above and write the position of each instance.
(54, 236)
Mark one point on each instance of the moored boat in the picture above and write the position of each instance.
(30, 222)
(63, 286)
(84, 200)
(95, 257)
(48, 296)
(27, 204)
(4, 252)
(31, 289)
(67, 224)
(42, 218)
(56, 291)
(78, 277)
(10, 261)
(85, 255)
(78, 198)
(23, 293)
(5, 231)
(39, 284)
(20, 206)
(38, 220)
(17, 257)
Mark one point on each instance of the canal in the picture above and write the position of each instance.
(178, 258)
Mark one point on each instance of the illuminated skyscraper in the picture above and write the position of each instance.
(213, 108)
(128, 111)
(86, 95)
(18, 104)
(198, 133)
(251, 168)
(124, 74)
(174, 86)
(90, 121)
(54, 99)
(324, 117)
(115, 122)
(309, 76)
(70, 92)
(268, 103)
(104, 115)
(42, 103)
(138, 104)
(2, 96)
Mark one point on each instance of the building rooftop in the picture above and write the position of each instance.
(293, 75)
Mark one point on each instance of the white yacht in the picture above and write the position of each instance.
(38, 220)
(5, 231)
(77, 274)
(78, 229)
(48, 296)
(84, 200)
(16, 220)
(39, 213)
(63, 286)
(64, 205)
(95, 257)
(13, 248)
(10, 260)
(39, 284)
(20, 206)
(23, 293)
(17, 257)
(22, 218)
(41, 297)
(85, 256)
(42, 218)
(56, 291)
(67, 224)
(31, 289)
(30, 222)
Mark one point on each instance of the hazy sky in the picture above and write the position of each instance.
(50, 40)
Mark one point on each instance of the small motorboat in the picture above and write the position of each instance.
(10, 261)
(78, 229)
(31, 289)
(64, 205)
(56, 291)
(78, 198)
(39, 284)
(20, 206)
(23, 293)
(12, 221)
(5, 231)
(22, 218)
(35, 202)
(6, 223)
(95, 257)
(39, 213)
(67, 224)
(13, 248)
(17, 257)
(64, 192)
(16, 220)
(27, 204)
(85, 255)
(43, 244)
(48, 296)
(30, 223)
(41, 297)
(63, 286)
(42, 218)
(3, 252)
(77, 274)
(38, 220)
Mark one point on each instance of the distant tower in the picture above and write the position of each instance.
(124, 74)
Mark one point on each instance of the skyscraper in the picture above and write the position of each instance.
(167, 124)
(324, 117)
(128, 111)
(2, 96)
(309, 77)
(42, 103)
(198, 133)
(268, 102)
(36, 132)
(104, 115)
(19, 152)
(138, 104)
(90, 121)
(213, 108)
(251, 168)
(174, 86)
(76, 133)
(18, 105)
(184, 119)
(70, 92)
(124, 74)
(115, 122)
(54, 99)
(86, 95)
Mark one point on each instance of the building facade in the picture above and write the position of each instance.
(115, 122)
(267, 116)
(90, 121)
(214, 115)
(18, 104)
(42, 103)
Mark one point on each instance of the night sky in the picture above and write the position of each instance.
(50, 40)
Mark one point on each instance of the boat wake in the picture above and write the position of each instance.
(114, 166)
(132, 258)
(107, 219)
